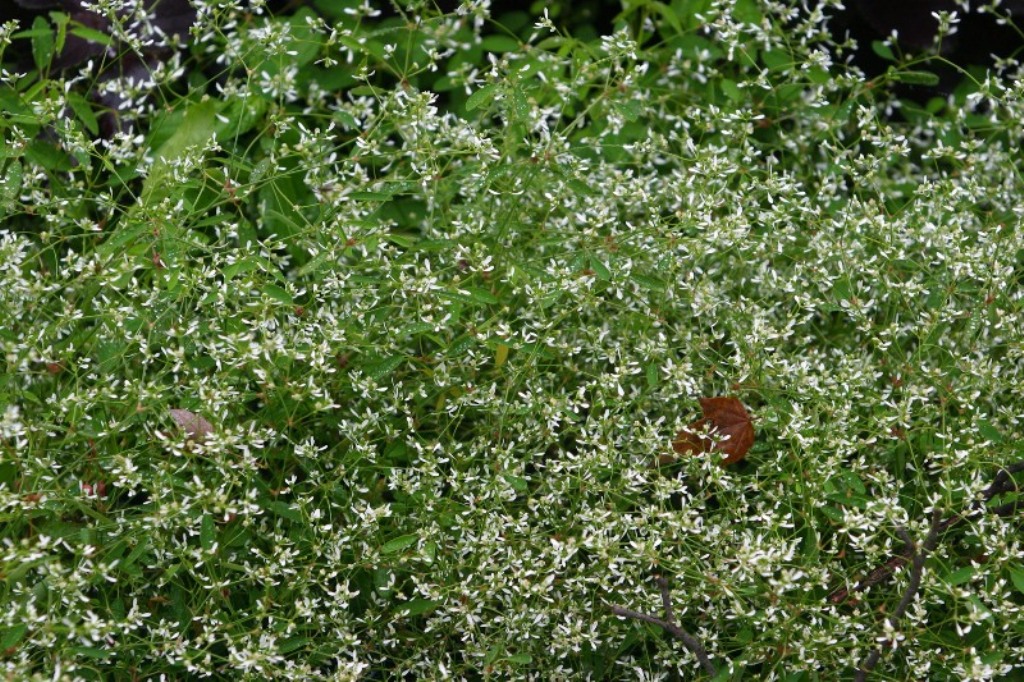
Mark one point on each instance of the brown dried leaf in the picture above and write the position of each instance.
(731, 430)
(195, 427)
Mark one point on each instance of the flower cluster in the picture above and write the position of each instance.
(441, 299)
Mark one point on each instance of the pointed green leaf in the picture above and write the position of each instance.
(278, 294)
(416, 607)
(42, 43)
(293, 644)
(482, 295)
(195, 130)
(1017, 577)
(481, 97)
(500, 43)
(882, 50)
(384, 367)
(285, 511)
(13, 636)
(959, 576)
(925, 78)
(652, 376)
(399, 543)
(988, 431)
(207, 533)
(83, 112)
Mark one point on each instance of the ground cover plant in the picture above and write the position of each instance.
(375, 346)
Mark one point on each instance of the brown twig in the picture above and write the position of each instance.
(919, 556)
(668, 624)
(876, 576)
(1003, 483)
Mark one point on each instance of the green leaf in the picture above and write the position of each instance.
(925, 78)
(92, 652)
(777, 60)
(416, 607)
(370, 196)
(285, 511)
(385, 367)
(83, 111)
(260, 170)
(580, 187)
(122, 235)
(243, 266)
(399, 543)
(988, 431)
(10, 186)
(668, 14)
(1017, 577)
(628, 109)
(109, 355)
(882, 50)
(403, 240)
(652, 376)
(61, 21)
(520, 107)
(648, 282)
(460, 345)
(748, 11)
(818, 75)
(292, 644)
(207, 532)
(457, 296)
(128, 564)
(835, 514)
(980, 609)
(482, 295)
(843, 288)
(278, 294)
(49, 156)
(959, 576)
(551, 42)
(195, 130)
(42, 43)
(13, 636)
(481, 97)
(853, 482)
(496, 43)
(501, 354)
(731, 90)
(239, 115)
(321, 262)
(415, 329)
(90, 35)
(519, 484)
(520, 659)
(346, 119)
(304, 45)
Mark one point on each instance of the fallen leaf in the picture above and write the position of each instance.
(195, 427)
(731, 430)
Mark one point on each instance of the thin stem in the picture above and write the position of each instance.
(919, 557)
(1002, 483)
(666, 598)
(668, 624)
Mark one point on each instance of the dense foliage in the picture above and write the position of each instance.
(443, 290)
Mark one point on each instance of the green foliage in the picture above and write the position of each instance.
(444, 289)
